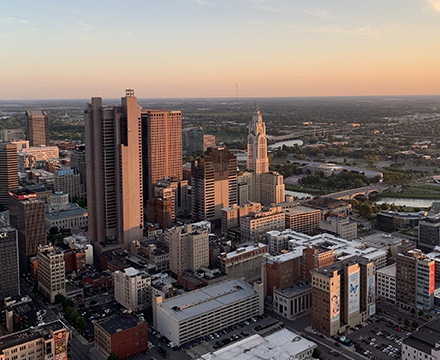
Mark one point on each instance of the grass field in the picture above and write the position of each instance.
(416, 191)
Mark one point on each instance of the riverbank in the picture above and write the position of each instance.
(415, 191)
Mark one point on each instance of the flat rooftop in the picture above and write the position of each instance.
(25, 336)
(281, 345)
(207, 299)
(300, 209)
(245, 249)
(116, 324)
(299, 287)
(425, 338)
(388, 270)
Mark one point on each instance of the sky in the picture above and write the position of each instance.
(204, 48)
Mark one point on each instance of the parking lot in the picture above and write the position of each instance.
(380, 339)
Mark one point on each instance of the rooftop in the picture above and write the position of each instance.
(299, 210)
(207, 299)
(299, 287)
(245, 249)
(118, 323)
(426, 337)
(22, 337)
(281, 345)
(389, 270)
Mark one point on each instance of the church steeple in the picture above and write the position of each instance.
(257, 160)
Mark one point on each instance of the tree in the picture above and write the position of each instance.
(415, 324)
(365, 209)
(406, 322)
(113, 356)
(93, 302)
(420, 313)
(80, 324)
(59, 298)
(316, 353)
(67, 303)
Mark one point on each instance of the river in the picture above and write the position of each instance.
(280, 144)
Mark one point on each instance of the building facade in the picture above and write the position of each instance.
(37, 127)
(340, 226)
(302, 219)
(254, 226)
(343, 295)
(124, 335)
(429, 232)
(214, 183)
(8, 171)
(27, 215)
(51, 272)
(133, 289)
(231, 216)
(114, 173)
(9, 276)
(386, 283)
(68, 181)
(203, 311)
(161, 147)
(189, 247)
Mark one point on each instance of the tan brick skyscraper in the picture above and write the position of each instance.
(161, 147)
(37, 127)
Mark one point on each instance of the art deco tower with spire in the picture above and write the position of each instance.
(257, 160)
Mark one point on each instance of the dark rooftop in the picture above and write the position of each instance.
(426, 337)
(118, 323)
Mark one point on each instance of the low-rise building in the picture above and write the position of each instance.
(203, 311)
(391, 221)
(43, 153)
(124, 335)
(386, 283)
(429, 232)
(48, 341)
(254, 226)
(293, 301)
(244, 262)
(281, 345)
(302, 219)
(423, 344)
(231, 216)
(340, 226)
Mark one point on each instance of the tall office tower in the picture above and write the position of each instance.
(189, 247)
(68, 181)
(37, 127)
(8, 171)
(27, 214)
(51, 272)
(9, 274)
(114, 173)
(161, 147)
(415, 280)
(257, 160)
(343, 295)
(78, 161)
(214, 183)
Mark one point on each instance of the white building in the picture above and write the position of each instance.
(281, 345)
(80, 242)
(340, 226)
(132, 289)
(203, 311)
(189, 247)
(386, 283)
(43, 153)
(51, 272)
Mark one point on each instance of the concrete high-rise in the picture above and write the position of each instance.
(78, 161)
(189, 247)
(51, 272)
(257, 160)
(37, 127)
(8, 171)
(214, 183)
(28, 215)
(9, 275)
(161, 147)
(114, 173)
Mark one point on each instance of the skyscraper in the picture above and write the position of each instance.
(51, 272)
(257, 160)
(9, 276)
(114, 172)
(259, 184)
(161, 147)
(78, 161)
(214, 183)
(8, 171)
(37, 127)
(28, 215)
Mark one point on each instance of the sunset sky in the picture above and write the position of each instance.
(202, 48)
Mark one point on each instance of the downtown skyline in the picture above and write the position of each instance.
(203, 48)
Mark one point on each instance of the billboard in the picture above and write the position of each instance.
(371, 289)
(372, 309)
(335, 308)
(353, 292)
(60, 340)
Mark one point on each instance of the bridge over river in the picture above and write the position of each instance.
(352, 193)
